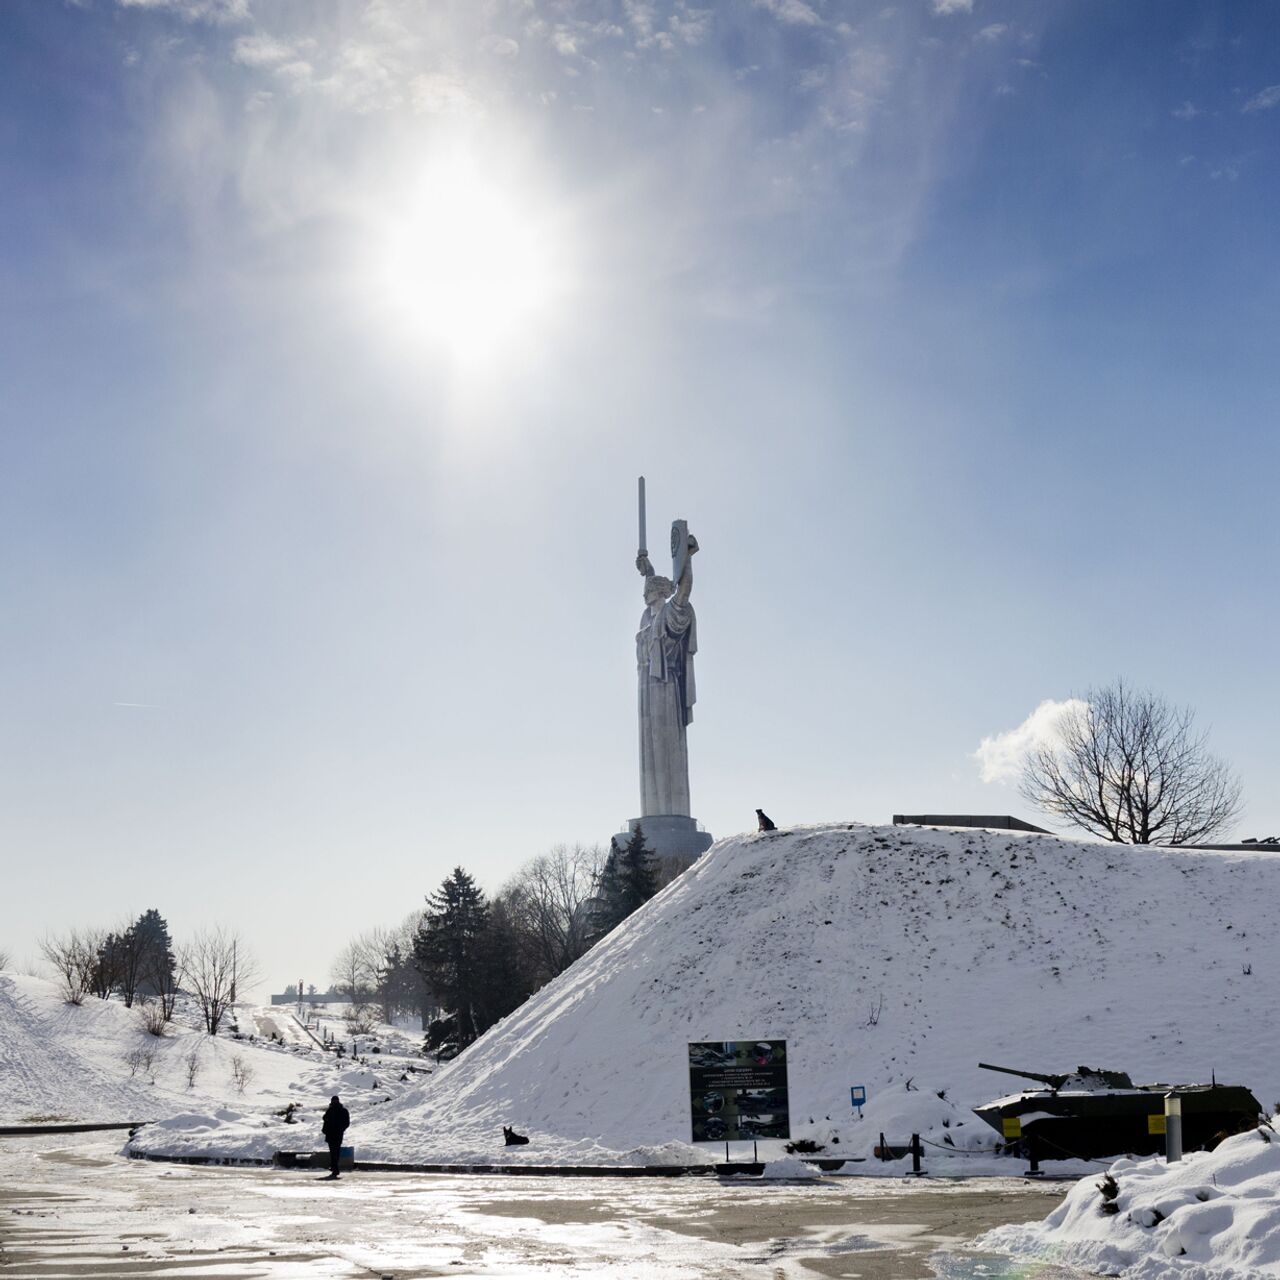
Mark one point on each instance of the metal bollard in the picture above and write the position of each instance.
(1033, 1156)
(1172, 1128)
(916, 1152)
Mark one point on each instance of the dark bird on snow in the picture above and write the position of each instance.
(766, 822)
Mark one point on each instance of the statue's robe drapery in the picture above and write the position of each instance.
(665, 645)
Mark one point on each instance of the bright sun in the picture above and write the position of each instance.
(468, 263)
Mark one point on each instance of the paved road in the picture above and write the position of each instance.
(70, 1207)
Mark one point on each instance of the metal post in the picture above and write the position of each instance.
(916, 1153)
(1172, 1128)
(1033, 1155)
(884, 1153)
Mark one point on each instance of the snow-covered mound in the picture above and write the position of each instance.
(95, 1062)
(1215, 1214)
(890, 957)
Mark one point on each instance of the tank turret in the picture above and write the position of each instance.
(1081, 1076)
(1054, 1082)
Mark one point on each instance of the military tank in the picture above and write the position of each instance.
(1090, 1113)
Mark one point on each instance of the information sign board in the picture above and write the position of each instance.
(738, 1089)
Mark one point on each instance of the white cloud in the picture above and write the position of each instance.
(1265, 100)
(691, 25)
(500, 46)
(992, 32)
(793, 12)
(196, 10)
(564, 42)
(438, 93)
(261, 51)
(952, 6)
(1000, 757)
(1188, 111)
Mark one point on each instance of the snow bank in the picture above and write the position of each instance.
(1214, 1214)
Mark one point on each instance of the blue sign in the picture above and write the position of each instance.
(858, 1095)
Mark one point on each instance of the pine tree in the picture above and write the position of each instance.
(628, 881)
(502, 985)
(157, 972)
(447, 950)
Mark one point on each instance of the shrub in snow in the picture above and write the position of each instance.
(241, 1073)
(152, 1016)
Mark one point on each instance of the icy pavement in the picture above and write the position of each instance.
(71, 1207)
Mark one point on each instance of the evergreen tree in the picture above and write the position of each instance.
(106, 965)
(399, 983)
(502, 984)
(447, 950)
(628, 881)
(157, 970)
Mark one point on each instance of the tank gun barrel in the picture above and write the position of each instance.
(1054, 1082)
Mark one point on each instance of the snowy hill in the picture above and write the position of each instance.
(883, 955)
(95, 1062)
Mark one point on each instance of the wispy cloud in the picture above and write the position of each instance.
(1187, 111)
(440, 93)
(1264, 100)
(992, 32)
(1000, 757)
(952, 6)
(793, 12)
(261, 51)
(196, 10)
(145, 706)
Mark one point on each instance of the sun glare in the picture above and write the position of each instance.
(468, 263)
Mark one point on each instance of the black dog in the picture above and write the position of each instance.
(512, 1138)
(766, 823)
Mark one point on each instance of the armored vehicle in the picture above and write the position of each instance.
(1090, 1113)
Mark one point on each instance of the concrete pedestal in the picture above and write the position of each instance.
(668, 835)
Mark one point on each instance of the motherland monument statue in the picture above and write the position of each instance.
(665, 645)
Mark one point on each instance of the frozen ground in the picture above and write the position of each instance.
(72, 1207)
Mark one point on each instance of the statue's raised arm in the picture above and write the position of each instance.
(684, 588)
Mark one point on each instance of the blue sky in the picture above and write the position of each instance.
(334, 337)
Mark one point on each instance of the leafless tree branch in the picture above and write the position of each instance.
(1131, 767)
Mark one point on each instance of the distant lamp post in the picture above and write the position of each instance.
(1172, 1128)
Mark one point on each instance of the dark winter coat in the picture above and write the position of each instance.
(336, 1120)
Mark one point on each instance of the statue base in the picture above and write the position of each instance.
(669, 836)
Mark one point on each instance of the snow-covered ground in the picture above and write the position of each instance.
(1214, 1214)
(95, 1062)
(70, 1206)
(891, 957)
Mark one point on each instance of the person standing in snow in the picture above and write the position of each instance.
(336, 1120)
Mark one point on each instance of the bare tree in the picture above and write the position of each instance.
(355, 971)
(213, 964)
(242, 1073)
(73, 958)
(1131, 767)
(546, 901)
(4, 959)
